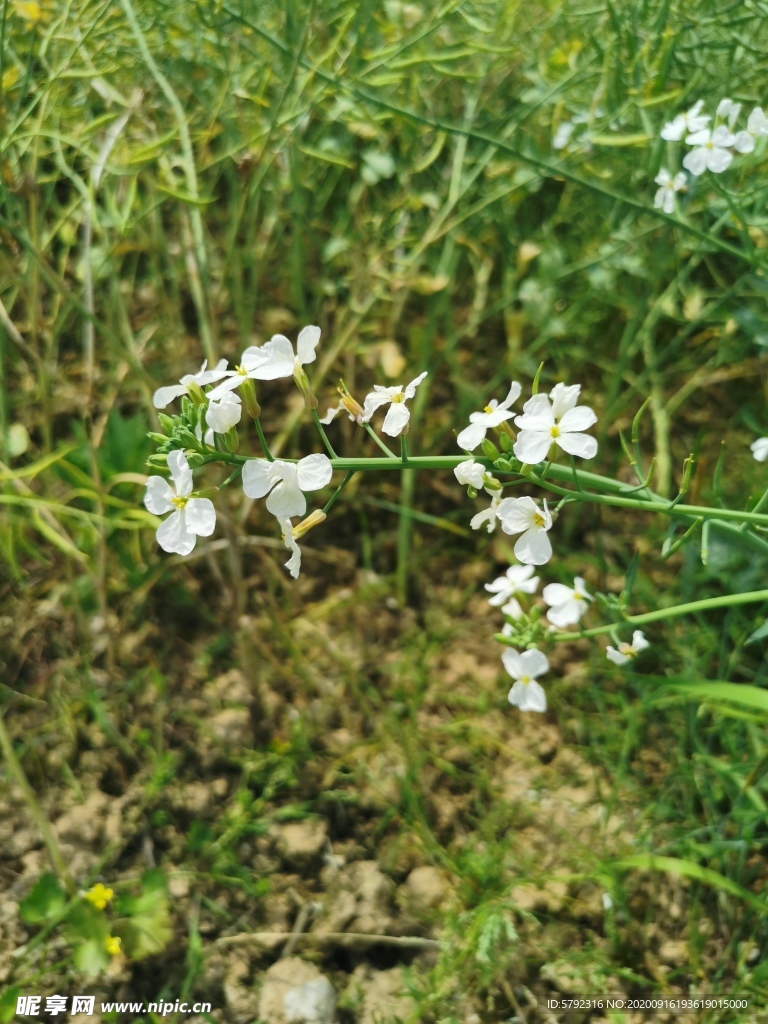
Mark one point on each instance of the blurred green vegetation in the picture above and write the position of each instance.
(182, 180)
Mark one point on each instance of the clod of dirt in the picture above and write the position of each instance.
(301, 844)
(232, 727)
(295, 992)
(382, 995)
(84, 823)
(424, 889)
(359, 899)
(241, 1000)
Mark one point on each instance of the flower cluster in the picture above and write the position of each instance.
(712, 146)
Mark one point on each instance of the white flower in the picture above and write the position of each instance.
(691, 121)
(526, 693)
(627, 651)
(190, 517)
(757, 127)
(246, 369)
(563, 135)
(493, 414)
(164, 396)
(398, 415)
(488, 515)
(285, 481)
(277, 359)
(759, 449)
(522, 515)
(560, 423)
(470, 474)
(518, 579)
(566, 604)
(221, 416)
(665, 196)
(728, 109)
(293, 565)
(711, 153)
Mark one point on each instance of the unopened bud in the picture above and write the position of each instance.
(158, 461)
(489, 449)
(206, 492)
(231, 440)
(504, 465)
(195, 460)
(302, 383)
(165, 422)
(187, 438)
(471, 491)
(196, 393)
(506, 438)
(248, 395)
(491, 483)
(314, 519)
(157, 438)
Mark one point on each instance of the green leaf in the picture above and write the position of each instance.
(46, 901)
(8, 999)
(737, 693)
(91, 958)
(145, 929)
(760, 634)
(86, 931)
(689, 869)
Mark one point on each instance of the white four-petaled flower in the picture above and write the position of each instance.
(627, 652)
(494, 414)
(284, 482)
(526, 694)
(523, 516)
(668, 186)
(757, 127)
(518, 579)
(164, 396)
(561, 422)
(566, 604)
(711, 152)
(759, 449)
(690, 121)
(398, 414)
(190, 517)
(277, 358)
(221, 416)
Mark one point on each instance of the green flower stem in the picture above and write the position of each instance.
(323, 435)
(262, 441)
(337, 493)
(404, 450)
(727, 601)
(387, 451)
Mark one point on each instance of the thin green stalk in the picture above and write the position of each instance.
(337, 493)
(54, 853)
(263, 441)
(323, 435)
(387, 451)
(726, 601)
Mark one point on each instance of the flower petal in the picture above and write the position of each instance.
(276, 360)
(566, 614)
(200, 516)
(314, 472)
(515, 390)
(181, 473)
(410, 389)
(533, 547)
(157, 499)
(306, 344)
(511, 661)
(173, 536)
(512, 609)
(471, 436)
(373, 401)
(233, 381)
(556, 593)
(259, 477)
(718, 160)
(164, 396)
(530, 696)
(564, 397)
(396, 419)
(285, 500)
(638, 640)
(470, 473)
(531, 446)
(696, 161)
(578, 444)
(516, 514)
(615, 656)
(580, 418)
(222, 416)
(534, 663)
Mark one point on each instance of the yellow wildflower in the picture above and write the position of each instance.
(99, 895)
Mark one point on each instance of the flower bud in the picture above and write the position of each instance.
(158, 461)
(195, 460)
(505, 439)
(491, 483)
(248, 395)
(314, 519)
(471, 491)
(185, 436)
(231, 440)
(302, 383)
(166, 423)
(196, 393)
(157, 438)
(504, 465)
(489, 449)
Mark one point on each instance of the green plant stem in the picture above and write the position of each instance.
(263, 441)
(55, 855)
(387, 451)
(323, 435)
(337, 493)
(726, 601)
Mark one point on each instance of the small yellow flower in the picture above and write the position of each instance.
(99, 896)
(29, 10)
(112, 945)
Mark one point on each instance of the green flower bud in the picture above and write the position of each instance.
(166, 423)
(250, 402)
(195, 460)
(196, 393)
(505, 441)
(157, 438)
(158, 461)
(231, 440)
(302, 382)
(186, 437)
(504, 465)
(471, 491)
(489, 449)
